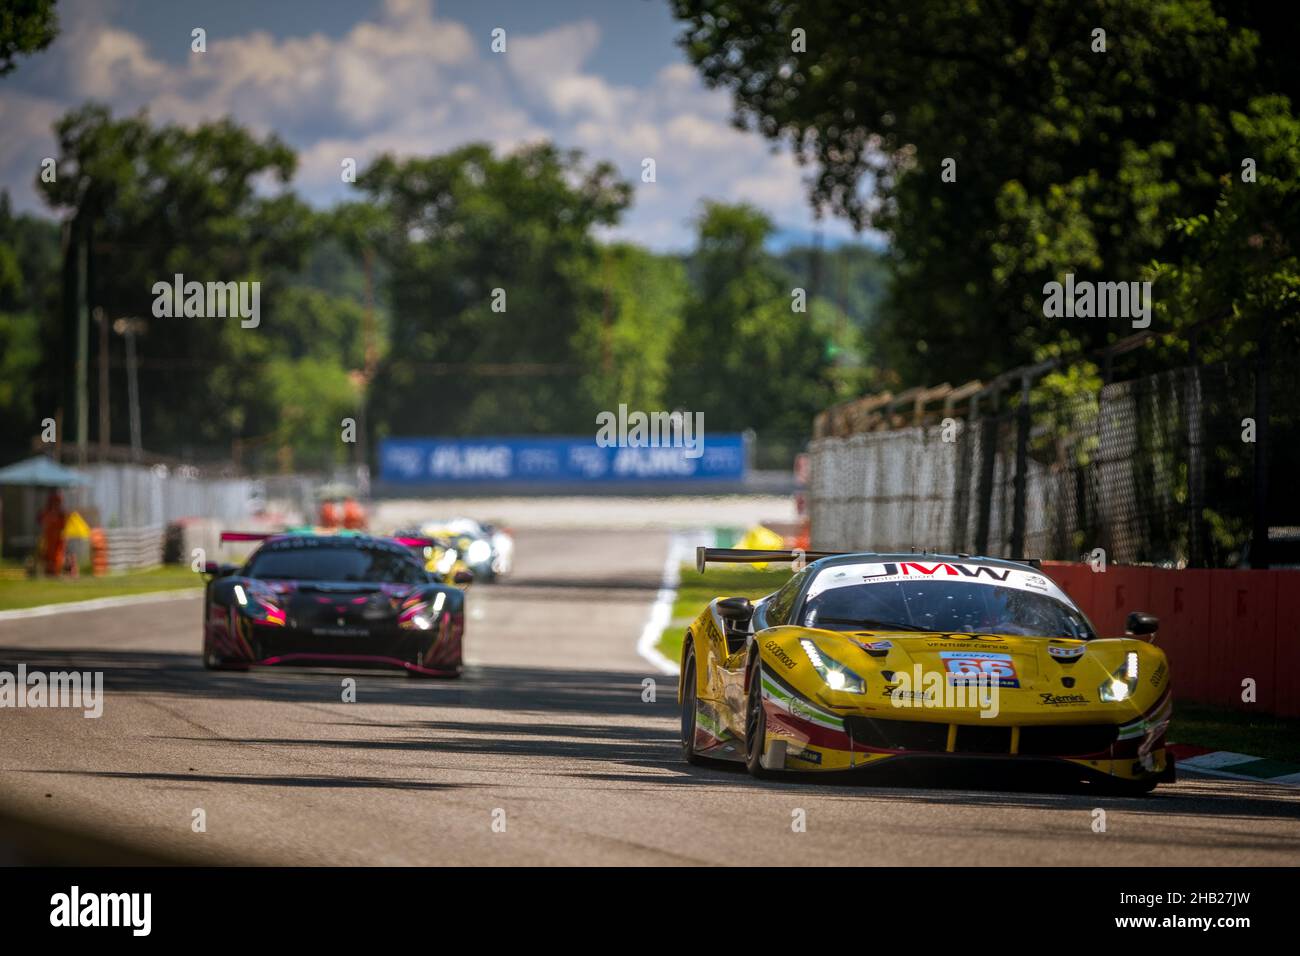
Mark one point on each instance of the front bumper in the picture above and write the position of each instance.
(233, 640)
(805, 736)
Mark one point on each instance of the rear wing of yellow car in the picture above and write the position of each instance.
(705, 556)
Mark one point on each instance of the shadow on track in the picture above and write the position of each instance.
(598, 719)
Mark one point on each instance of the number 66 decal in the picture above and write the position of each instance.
(997, 668)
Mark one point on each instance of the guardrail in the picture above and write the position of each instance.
(130, 548)
(1220, 627)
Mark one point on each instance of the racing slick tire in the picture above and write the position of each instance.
(420, 675)
(756, 725)
(214, 663)
(1133, 788)
(689, 710)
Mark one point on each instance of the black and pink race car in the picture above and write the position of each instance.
(344, 600)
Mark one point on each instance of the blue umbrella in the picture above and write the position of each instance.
(41, 472)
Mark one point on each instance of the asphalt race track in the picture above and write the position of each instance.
(548, 725)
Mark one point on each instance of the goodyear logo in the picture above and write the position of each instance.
(779, 653)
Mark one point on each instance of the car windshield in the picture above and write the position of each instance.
(945, 607)
(373, 565)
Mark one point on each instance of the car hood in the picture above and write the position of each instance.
(1038, 679)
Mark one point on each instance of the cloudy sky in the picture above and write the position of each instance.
(354, 78)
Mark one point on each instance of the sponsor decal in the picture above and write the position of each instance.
(915, 568)
(1158, 674)
(894, 572)
(875, 648)
(960, 641)
(898, 694)
(1065, 653)
(776, 651)
(340, 631)
(965, 666)
(808, 756)
(1062, 700)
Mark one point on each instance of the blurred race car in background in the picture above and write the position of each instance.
(438, 552)
(486, 550)
(331, 599)
(866, 659)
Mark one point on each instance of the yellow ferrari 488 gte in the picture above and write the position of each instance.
(865, 659)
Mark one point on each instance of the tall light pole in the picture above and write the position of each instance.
(128, 329)
(83, 343)
(105, 422)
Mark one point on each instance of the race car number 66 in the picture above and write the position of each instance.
(995, 665)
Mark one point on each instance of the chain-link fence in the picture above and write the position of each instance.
(1158, 469)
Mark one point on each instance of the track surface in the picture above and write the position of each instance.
(549, 726)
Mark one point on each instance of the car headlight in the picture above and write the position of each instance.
(1121, 685)
(835, 674)
(478, 553)
(258, 606)
(447, 561)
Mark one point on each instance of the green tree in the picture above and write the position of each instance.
(1241, 260)
(26, 26)
(745, 358)
(626, 346)
(494, 287)
(151, 202)
(29, 288)
(1067, 158)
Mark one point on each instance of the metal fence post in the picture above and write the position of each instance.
(961, 504)
(1259, 557)
(1193, 414)
(1022, 462)
(988, 454)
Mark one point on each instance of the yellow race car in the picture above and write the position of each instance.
(861, 660)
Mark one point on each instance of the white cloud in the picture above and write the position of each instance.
(412, 83)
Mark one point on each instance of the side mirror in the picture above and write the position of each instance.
(1140, 623)
(464, 576)
(213, 569)
(735, 609)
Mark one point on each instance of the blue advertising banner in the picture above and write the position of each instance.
(557, 460)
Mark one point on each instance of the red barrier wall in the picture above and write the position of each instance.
(1218, 627)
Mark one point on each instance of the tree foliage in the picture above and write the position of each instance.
(745, 356)
(1067, 158)
(495, 276)
(463, 293)
(26, 26)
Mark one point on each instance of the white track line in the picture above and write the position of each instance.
(98, 604)
(661, 612)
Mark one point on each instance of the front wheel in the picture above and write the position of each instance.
(755, 725)
(1133, 788)
(689, 709)
(214, 662)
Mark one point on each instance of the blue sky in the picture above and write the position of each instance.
(339, 79)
